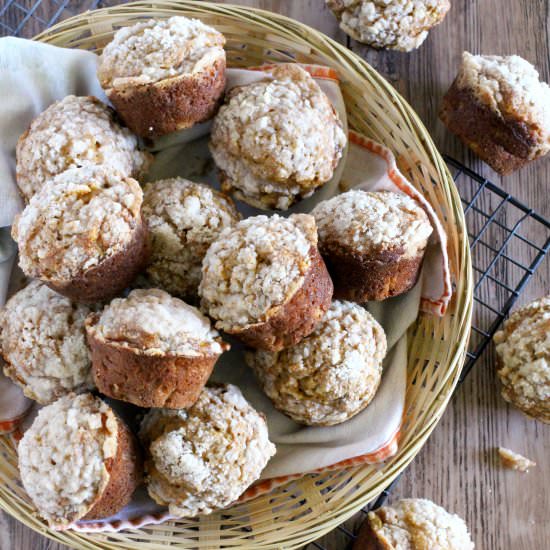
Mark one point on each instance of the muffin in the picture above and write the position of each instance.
(204, 458)
(75, 132)
(183, 219)
(500, 109)
(78, 461)
(43, 342)
(164, 75)
(413, 524)
(332, 374)
(373, 243)
(152, 350)
(265, 282)
(277, 140)
(82, 234)
(523, 351)
(401, 25)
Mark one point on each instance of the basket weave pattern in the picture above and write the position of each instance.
(307, 508)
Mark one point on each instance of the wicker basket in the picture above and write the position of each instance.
(305, 509)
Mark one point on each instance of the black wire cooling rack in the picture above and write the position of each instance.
(507, 238)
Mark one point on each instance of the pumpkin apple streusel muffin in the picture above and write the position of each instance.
(373, 243)
(332, 374)
(82, 234)
(265, 282)
(78, 461)
(43, 342)
(75, 132)
(183, 219)
(152, 350)
(277, 140)
(203, 458)
(164, 75)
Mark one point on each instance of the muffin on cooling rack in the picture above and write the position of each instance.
(203, 458)
(78, 460)
(500, 109)
(395, 24)
(75, 132)
(183, 219)
(523, 351)
(277, 140)
(164, 75)
(82, 233)
(329, 376)
(413, 524)
(152, 350)
(43, 342)
(373, 243)
(265, 282)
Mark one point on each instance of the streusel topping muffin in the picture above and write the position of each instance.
(277, 140)
(183, 219)
(523, 349)
(204, 458)
(75, 132)
(43, 342)
(396, 24)
(329, 376)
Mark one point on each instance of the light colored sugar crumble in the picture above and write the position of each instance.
(74, 132)
(204, 458)
(43, 342)
(372, 221)
(78, 219)
(332, 374)
(397, 24)
(523, 348)
(156, 323)
(183, 219)
(511, 86)
(154, 50)
(62, 456)
(254, 267)
(278, 139)
(415, 523)
(515, 461)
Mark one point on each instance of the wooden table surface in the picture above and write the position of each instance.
(458, 467)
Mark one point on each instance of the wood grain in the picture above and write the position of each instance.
(458, 467)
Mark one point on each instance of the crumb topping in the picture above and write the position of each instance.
(515, 461)
(183, 219)
(77, 434)
(154, 50)
(278, 139)
(204, 458)
(75, 132)
(43, 342)
(255, 267)
(373, 221)
(332, 374)
(77, 220)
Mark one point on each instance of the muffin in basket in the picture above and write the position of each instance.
(78, 461)
(500, 109)
(43, 342)
(277, 140)
(373, 243)
(413, 524)
(203, 458)
(265, 282)
(329, 376)
(523, 351)
(82, 233)
(164, 75)
(75, 132)
(152, 350)
(401, 25)
(183, 219)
